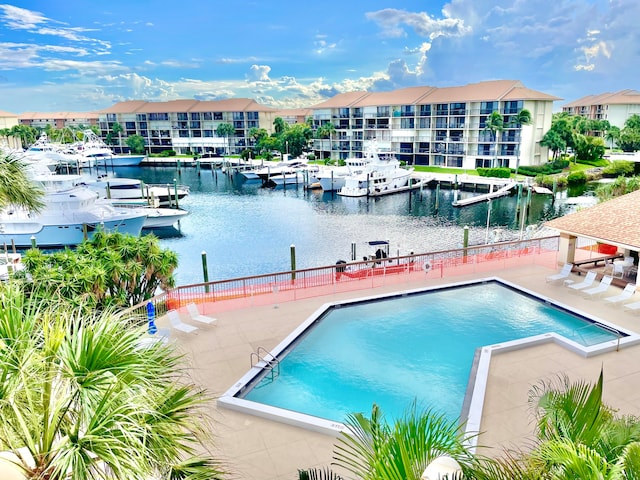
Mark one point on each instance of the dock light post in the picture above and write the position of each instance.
(205, 271)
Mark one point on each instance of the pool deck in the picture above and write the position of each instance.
(255, 448)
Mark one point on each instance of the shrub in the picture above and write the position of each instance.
(548, 168)
(577, 178)
(548, 181)
(618, 168)
(168, 153)
(311, 157)
(494, 172)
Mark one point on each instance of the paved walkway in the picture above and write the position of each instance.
(258, 449)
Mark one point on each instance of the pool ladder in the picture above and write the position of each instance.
(271, 364)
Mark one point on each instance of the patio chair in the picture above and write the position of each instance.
(602, 287)
(634, 307)
(563, 275)
(175, 322)
(192, 308)
(626, 294)
(586, 283)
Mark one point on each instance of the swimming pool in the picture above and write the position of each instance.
(392, 350)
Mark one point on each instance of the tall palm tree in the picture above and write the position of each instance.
(327, 130)
(117, 129)
(494, 125)
(81, 399)
(522, 118)
(225, 130)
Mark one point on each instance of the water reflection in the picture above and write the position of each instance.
(247, 230)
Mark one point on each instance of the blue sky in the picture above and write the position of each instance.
(77, 55)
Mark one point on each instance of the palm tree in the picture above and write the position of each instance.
(522, 118)
(578, 436)
(371, 449)
(15, 186)
(327, 130)
(494, 125)
(612, 134)
(225, 130)
(80, 398)
(116, 128)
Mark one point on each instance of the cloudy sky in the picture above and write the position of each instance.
(78, 55)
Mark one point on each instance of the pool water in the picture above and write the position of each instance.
(419, 347)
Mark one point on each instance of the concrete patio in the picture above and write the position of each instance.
(254, 448)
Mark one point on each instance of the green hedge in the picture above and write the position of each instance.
(577, 178)
(494, 172)
(548, 168)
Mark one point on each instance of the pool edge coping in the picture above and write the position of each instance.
(479, 373)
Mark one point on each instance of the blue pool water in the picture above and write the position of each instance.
(415, 347)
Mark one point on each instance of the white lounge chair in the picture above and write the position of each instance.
(192, 308)
(626, 294)
(634, 307)
(563, 275)
(175, 322)
(602, 287)
(586, 283)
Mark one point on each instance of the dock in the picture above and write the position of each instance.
(502, 191)
(414, 184)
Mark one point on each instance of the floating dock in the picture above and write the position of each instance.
(502, 191)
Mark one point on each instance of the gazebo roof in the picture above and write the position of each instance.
(616, 221)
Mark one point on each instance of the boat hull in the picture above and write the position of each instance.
(65, 235)
(121, 160)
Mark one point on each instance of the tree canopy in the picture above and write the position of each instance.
(109, 270)
(81, 398)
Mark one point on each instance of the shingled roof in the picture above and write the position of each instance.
(615, 221)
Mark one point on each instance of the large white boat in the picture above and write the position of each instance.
(117, 188)
(382, 176)
(92, 147)
(71, 214)
(333, 179)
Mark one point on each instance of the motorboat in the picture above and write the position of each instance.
(157, 217)
(382, 176)
(333, 179)
(306, 175)
(117, 188)
(286, 167)
(71, 214)
(93, 147)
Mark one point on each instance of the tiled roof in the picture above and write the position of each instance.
(294, 112)
(622, 97)
(188, 105)
(615, 221)
(473, 92)
(57, 115)
(7, 114)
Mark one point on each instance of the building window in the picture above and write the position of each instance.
(487, 108)
(183, 116)
(457, 108)
(238, 115)
(442, 109)
(407, 123)
(425, 110)
(195, 116)
(383, 111)
(217, 115)
(207, 116)
(158, 116)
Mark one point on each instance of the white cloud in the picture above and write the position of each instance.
(392, 20)
(258, 73)
(21, 18)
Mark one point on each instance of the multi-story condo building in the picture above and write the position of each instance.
(59, 120)
(615, 107)
(187, 125)
(439, 126)
(8, 121)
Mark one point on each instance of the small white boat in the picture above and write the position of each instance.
(163, 217)
(116, 188)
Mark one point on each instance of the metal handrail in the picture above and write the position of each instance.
(272, 364)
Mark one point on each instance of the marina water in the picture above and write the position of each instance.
(246, 229)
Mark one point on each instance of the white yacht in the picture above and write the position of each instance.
(333, 179)
(71, 214)
(382, 176)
